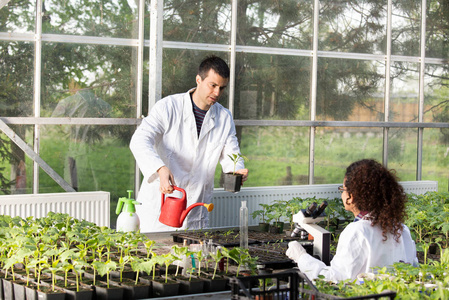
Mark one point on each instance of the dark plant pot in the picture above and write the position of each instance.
(433, 249)
(84, 293)
(19, 289)
(280, 225)
(273, 229)
(31, 292)
(165, 289)
(97, 276)
(45, 293)
(264, 227)
(218, 284)
(193, 285)
(161, 270)
(232, 182)
(8, 289)
(125, 274)
(131, 290)
(113, 292)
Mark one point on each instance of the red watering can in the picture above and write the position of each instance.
(173, 210)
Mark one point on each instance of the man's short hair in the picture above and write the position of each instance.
(215, 63)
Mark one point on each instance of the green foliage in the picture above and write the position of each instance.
(236, 158)
(426, 281)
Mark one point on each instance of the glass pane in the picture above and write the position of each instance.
(437, 22)
(179, 70)
(404, 92)
(89, 158)
(353, 26)
(91, 18)
(18, 16)
(197, 22)
(350, 90)
(16, 79)
(436, 156)
(436, 93)
(88, 80)
(16, 168)
(286, 24)
(276, 155)
(272, 87)
(406, 28)
(337, 148)
(402, 152)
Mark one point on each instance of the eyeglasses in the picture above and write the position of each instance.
(341, 189)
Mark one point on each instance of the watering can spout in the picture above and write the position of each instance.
(209, 208)
(174, 211)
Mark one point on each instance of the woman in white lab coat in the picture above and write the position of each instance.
(172, 148)
(376, 238)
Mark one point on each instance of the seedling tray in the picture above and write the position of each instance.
(290, 284)
(229, 238)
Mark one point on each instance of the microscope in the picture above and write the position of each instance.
(306, 223)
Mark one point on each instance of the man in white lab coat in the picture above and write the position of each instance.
(180, 143)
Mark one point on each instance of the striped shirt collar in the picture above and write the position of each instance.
(363, 215)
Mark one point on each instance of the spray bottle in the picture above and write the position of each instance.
(128, 220)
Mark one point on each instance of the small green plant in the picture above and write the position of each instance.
(216, 256)
(262, 213)
(104, 268)
(236, 158)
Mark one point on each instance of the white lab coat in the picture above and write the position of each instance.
(361, 248)
(168, 137)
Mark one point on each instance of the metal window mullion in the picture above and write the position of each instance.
(139, 84)
(233, 56)
(387, 84)
(313, 90)
(155, 59)
(422, 68)
(37, 90)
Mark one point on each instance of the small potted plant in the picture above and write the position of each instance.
(232, 180)
(277, 211)
(264, 221)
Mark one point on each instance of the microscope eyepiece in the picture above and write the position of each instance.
(320, 209)
(309, 211)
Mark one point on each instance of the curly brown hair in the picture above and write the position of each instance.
(376, 189)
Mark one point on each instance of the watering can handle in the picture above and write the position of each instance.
(176, 188)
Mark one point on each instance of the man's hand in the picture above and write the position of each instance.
(244, 172)
(166, 180)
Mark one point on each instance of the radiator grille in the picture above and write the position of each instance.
(89, 206)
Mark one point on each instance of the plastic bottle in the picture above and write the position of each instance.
(128, 220)
(244, 226)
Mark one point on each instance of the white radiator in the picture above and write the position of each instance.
(89, 206)
(227, 205)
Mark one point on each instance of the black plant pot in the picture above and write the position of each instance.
(273, 229)
(218, 284)
(165, 289)
(264, 226)
(125, 274)
(8, 289)
(19, 289)
(46, 293)
(192, 285)
(232, 182)
(131, 290)
(113, 292)
(31, 292)
(84, 293)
